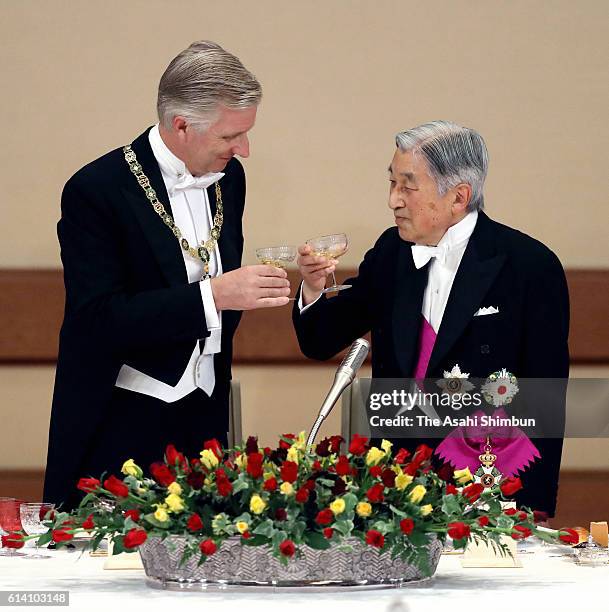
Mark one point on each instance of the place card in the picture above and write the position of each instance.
(600, 533)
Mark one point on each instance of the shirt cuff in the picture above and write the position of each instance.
(209, 306)
(300, 306)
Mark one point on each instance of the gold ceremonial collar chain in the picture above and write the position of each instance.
(202, 251)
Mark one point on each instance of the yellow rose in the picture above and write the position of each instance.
(131, 469)
(417, 494)
(242, 526)
(463, 476)
(301, 442)
(257, 504)
(386, 445)
(174, 502)
(337, 506)
(174, 488)
(268, 475)
(241, 461)
(402, 481)
(363, 509)
(161, 515)
(209, 459)
(374, 455)
(292, 454)
(286, 488)
(426, 509)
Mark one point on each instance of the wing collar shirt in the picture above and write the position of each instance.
(192, 214)
(445, 259)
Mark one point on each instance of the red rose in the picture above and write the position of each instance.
(62, 535)
(251, 446)
(375, 538)
(316, 466)
(223, 484)
(117, 487)
(284, 444)
(134, 515)
(88, 523)
(270, 484)
(208, 547)
(194, 523)
(281, 514)
(246, 535)
(359, 445)
(287, 548)
(375, 493)
(472, 492)
(446, 472)
(451, 489)
(568, 536)
(323, 448)
(483, 521)
(88, 485)
(196, 480)
(254, 464)
(510, 511)
(134, 537)
(173, 458)
(328, 533)
(289, 471)
(214, 446)
(522, 516)
(375, 471)
(422, 454)
(302, 495)
(539, 516)
(12, 540)
(402, 455)
(162, 474)
(335, 442)
(324, 517)
(411, 469)
(388, 477)
(520, 532)
(510, 485)
(406, 525)
(343, 466)
(309, 485)
(458, 531)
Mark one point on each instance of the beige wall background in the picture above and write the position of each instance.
(340, 79)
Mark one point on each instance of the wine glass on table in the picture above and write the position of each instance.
(278, 256)
(10, 522)
(330, 247)
(32, 515)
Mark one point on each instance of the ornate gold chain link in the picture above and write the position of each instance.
(202, 251)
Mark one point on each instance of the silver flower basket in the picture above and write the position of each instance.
(350, 565)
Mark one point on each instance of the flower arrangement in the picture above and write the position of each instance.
(291, 496)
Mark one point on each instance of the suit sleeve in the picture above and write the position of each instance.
(100, 300)
(331, 324)
(546, 356)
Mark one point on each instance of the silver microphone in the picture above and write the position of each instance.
(342, 379)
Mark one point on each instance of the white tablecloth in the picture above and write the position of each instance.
(545, 582)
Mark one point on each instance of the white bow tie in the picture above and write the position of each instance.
(421, 254)
(187, 181)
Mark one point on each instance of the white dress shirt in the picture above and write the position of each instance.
(192, 214)
(442, 268)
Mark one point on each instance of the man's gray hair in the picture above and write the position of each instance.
(454, 154)
(200, 79)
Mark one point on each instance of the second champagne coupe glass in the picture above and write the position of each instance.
(10, 521)
(331, 247)
(32, 515)
(278, 256)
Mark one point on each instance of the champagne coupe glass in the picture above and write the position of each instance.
(331, 247)
(278, 256)
(32, 515)
(10, 521)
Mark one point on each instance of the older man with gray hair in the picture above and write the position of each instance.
(447, 286)
(151, 242)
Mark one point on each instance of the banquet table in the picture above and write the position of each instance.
(546, 580)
